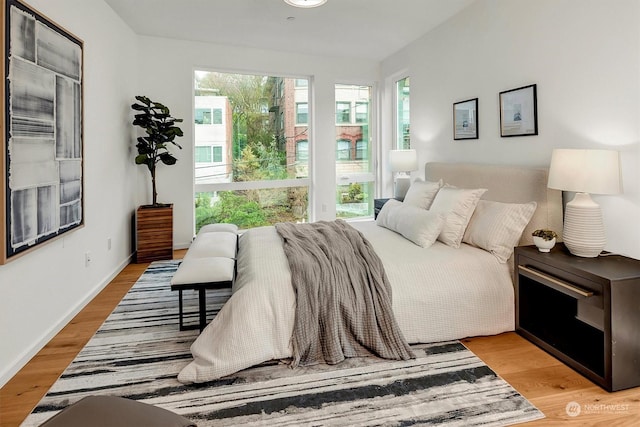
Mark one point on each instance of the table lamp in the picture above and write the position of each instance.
(401, 163)
(584, 172)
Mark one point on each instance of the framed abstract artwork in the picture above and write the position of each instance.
(465, 119)
(519, 112)
(42, 138)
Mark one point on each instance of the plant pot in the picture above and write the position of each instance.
(544, 245)
(154, 233)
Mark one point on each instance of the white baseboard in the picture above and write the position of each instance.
(28, 354)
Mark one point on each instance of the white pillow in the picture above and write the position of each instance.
(458, 205)
(421, 193)
(497, 227)
(420, 226)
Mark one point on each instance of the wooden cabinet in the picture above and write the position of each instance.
(584, 311)
(154, 233)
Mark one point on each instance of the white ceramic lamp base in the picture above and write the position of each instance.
(583, 232)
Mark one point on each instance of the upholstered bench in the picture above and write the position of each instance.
(112, 411)
(208, 264)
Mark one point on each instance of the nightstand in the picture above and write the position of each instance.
(379, 203)
(584, 311)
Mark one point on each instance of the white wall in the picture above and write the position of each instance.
(41, 291)
(583, 55)
(171, 82)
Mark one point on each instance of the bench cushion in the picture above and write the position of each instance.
(213, 244)
(204, 270)
(231, 228)
(113, 411)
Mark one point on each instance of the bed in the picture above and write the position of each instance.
(439, 293)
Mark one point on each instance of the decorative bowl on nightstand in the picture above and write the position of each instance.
(544, 239)
(544, 245)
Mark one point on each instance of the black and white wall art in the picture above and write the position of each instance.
(42, 159)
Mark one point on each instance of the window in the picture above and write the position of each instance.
(343, 112)
(203, 116)
(362, 112)
(203, 154)
(302, 113)
(302, 151)
(249, 170)
(217, 154)
(355, 174)
(343, 151)
(362, 150)
(217, 116)
(403, 140)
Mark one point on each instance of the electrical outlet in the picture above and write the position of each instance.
(87, 259)
(109, 244)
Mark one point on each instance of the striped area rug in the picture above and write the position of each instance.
(138, 352)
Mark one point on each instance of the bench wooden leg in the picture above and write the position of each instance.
(180, 310)
(203, 307)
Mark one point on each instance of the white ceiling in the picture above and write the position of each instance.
(371, 29)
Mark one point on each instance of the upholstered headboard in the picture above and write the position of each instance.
(508, 184)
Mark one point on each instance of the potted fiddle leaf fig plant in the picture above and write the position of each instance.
(154, 223)
(161, 130)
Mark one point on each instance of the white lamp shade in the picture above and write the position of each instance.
(585, 171)
(403, 160)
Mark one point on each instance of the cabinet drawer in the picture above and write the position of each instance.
(580, 288)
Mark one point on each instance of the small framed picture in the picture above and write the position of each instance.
(465, 119)
(519, 112)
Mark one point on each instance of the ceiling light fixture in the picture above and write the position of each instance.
(305, 3)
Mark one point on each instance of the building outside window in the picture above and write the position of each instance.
(343, 151)
(203, 116)
(302, 151)
(343, 112)
(362, 150)
(217, 116)
(302, 113)
(217, 153)
(203, 154)
(362, 112)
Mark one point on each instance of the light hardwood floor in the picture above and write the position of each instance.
(546, 382)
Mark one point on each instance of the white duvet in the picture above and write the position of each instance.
(439, 293)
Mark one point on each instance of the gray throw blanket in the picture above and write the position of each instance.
(343, 296)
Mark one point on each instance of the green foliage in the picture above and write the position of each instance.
(235, 209)
(160, 127)
(352, 194)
